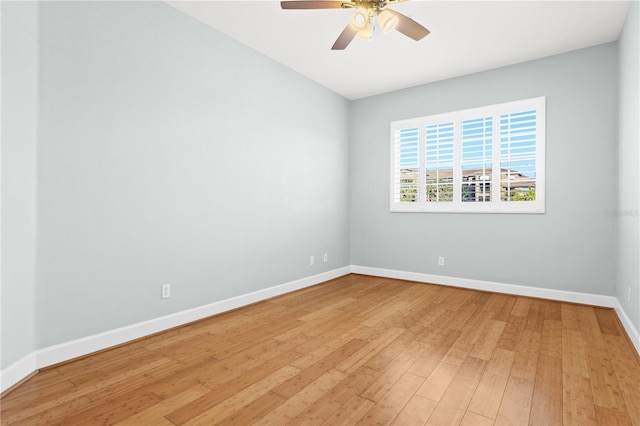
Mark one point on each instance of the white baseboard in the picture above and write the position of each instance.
(518, 290)
(34, 361)
(632, 332)
(41, 358)
(18, 371)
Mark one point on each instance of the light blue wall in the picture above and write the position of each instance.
(627, 218)
(571, 247)
(18, 168)
(175, 156)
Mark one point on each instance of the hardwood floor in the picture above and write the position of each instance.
(356, 350)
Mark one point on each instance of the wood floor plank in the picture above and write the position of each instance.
(106, 369)
(355, 360)
(607, 321)
(574, 357)
(462, 320)
(50, 416)
(526, 359)
(332, 402)
(328, 312)
(515, 407)
(132, 379)
(255, 412)
(551, 339)
(609, 417)
(472, 419)
(416, 412)
(317, 349)
(351, 412)
(570, 314)
(438, 381)
(292, 386)
(487, 340)
(500, 305)
(384, 312)
(298, 402)
(155, 413)
(393, 401)
(521, 307)
(604, 382)
(626, 366)
(535, 317)
(356, 349)
(454, 402)
(424, 366)
(546, 405)
(114, 411)
(394, 371)
(238, 400)
(230, 386)
(488, 395)
(463, 346)
(512, 333)
(183, 378)
(35, 394)
(552, 311)
(577, 401)
(397, 347)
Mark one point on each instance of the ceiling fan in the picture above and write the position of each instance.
(362, 21)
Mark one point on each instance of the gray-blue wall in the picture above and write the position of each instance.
(175, 157)
(627, 217)
(19, 138)
(570, 247)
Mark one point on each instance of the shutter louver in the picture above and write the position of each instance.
(477, 154)
(518, 156)
(439, 162)
(406, 165)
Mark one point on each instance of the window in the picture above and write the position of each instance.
(488, 159)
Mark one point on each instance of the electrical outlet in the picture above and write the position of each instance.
(166, 291)
(441, 261)
(628, 294)
(312, 261)
(326, 258)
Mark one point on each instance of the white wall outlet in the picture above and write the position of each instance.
(326, 258)
(166, 291)
(441, 261)
(312, 261)
(628, 294)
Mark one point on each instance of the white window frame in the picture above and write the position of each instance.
(495, 205)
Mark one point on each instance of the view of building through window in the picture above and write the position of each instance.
(476, 186)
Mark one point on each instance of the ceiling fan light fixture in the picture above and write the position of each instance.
(366, 33)
(387, 20)
(367, 14)
(359, 20)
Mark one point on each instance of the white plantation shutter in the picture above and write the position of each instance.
(518, 156)
(488, 159)
(405, 181)
(477, 159)
(439, 162)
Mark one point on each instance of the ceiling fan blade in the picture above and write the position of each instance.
(311, 4)
(344, 38)
(409, 27)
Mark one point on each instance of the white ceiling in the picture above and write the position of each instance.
(466, 37)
